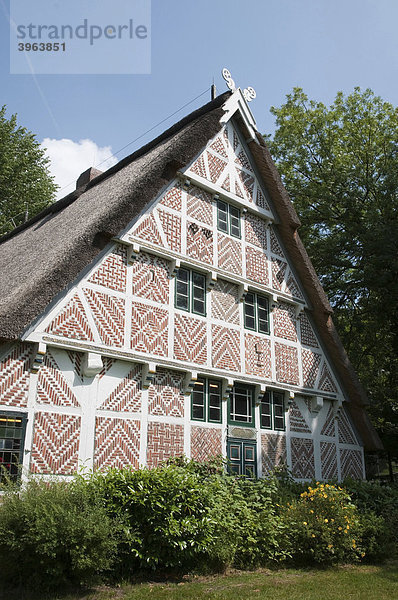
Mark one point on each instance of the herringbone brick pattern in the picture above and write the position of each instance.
(52, 386)
(229, 254)
(329, 460)
(166, 394)
(278, 273)
(256, 231)
(218, 146)
(329, 427)
(14, 376)
(72, 322)
(172, 228)
(108, 313)
(261, 200)
(326, 382)
(150, 278)
(199, 167)
(247, 184)
(199, 243)
(226, 184)
(216, 166)
(173, 198)
(297, 421)
(292, 287)
(311, 362)
(190, 339)
(308, 336)
(149, 327)
(351, 464)
(273, 451)
(164, 440)
(55, 443)
(275, 246)
(286, 361)
(285, 322)
(346, 434)
(225, 348)
(256, 265)
(117, 443)
(205, 443)
(199, 205)
(126, 397)
(303, 465)
(148, 230)
(225, 302)
(243, 162)
(112, 271)
(257, 356)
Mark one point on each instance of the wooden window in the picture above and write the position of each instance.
(272, 411)
(228, 218)
(12, 437)
(190, 292)
(256, 313)
(206, 401)
(241, 406)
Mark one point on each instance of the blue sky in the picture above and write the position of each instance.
(320, 45)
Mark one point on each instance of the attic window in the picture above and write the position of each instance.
(228, 218)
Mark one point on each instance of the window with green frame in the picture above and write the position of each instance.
(256, 312)
(206, 401)
(190, 291)
(12, 438)
(241, 406)
(228, 218)
(272, 411)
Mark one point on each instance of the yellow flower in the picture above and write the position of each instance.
(313, 535)
(311, 511)
(330, 546)
(325, 495)
(347, 527)
(305, 523)
(326, 520)
(340, 528)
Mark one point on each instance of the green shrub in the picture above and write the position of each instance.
(52, 534)
(323, 527)
(382, 500)
(165, 514)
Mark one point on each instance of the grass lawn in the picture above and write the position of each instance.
(340, 583)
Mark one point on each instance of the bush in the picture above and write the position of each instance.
(52, 534)
(323, 527)
(165, 514)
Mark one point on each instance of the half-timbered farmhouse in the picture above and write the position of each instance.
(168, 307)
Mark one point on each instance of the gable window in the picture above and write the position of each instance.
(256, 312)
(228, 218)
(12, 437)
(206, 401)
(241, 405)
(190, 291)
(272, 412)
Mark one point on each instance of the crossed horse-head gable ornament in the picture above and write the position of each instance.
(249, 93)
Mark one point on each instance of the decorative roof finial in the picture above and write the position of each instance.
(249, 93)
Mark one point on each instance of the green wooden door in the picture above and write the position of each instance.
(242, 457)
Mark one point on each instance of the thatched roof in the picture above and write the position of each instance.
(44, 256)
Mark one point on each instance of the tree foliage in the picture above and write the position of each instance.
(340, 167)
(26, 187)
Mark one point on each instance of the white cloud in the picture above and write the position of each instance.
(69, 159)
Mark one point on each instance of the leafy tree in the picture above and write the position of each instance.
(26, 187)
(340, 167)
